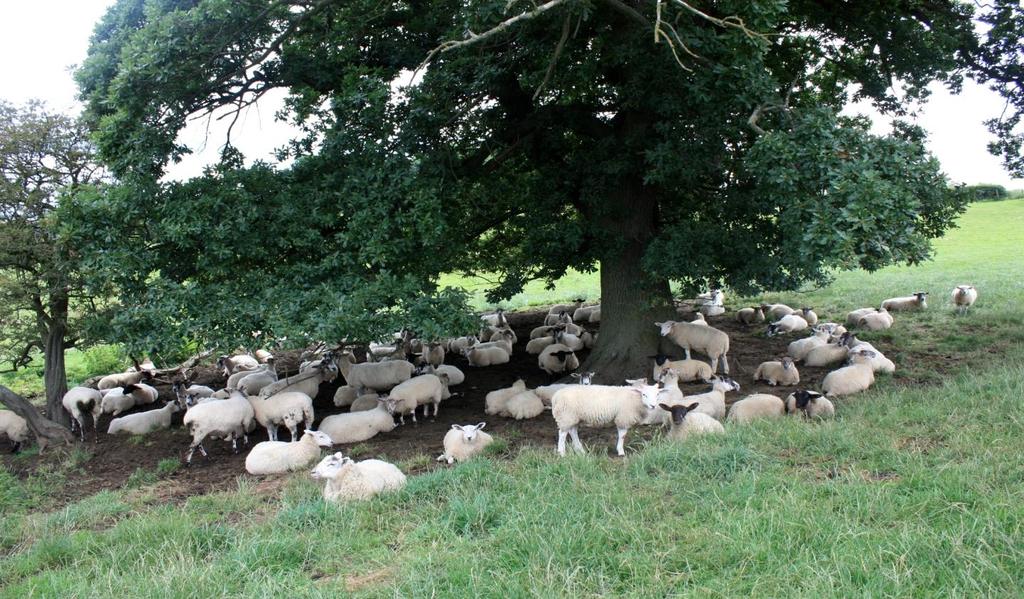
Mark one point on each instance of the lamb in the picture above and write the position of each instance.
(811, 404)
(601, 405)
(79, 401)
(687, 370)
(349, 480)
(710, 341)
(712, 402)
(809, 315)
(799, 349)
(687, 421)
(917, 301)
(277, 457)
(523, 406)
(122, 379)
(287, 408)
(15, 428)
(425, 390)
(876, 321)
(851, 379)
(232, 364)
(227, 419)
(253, 383)
(486, 356)
(557, 358)
(144, 422)
(463, 442)
(355, 427)
(751, 315)
(879, 363)
(378, 376)
(829, 354)
(365, 402)
(964, 297)
(755, 407)
(345, 395)
(777, 311)
(787, 324)
(778, 373)
(120, 400)
(582, 314)
(494, 402)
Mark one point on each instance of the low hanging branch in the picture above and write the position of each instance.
(44, 429)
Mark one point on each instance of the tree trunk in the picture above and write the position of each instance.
(44, 430)
(54, 375)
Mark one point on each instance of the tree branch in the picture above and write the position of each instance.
(555, 56)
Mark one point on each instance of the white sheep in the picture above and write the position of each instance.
(810, 404)
(345, 395)
(964, 297)
(15, 428)
(144, 422)
(829, 354)
(557, 359)
(687, 370)
(708, 340)
(277, 457)
(424, 390)
(122, 379)
(879, 363)
(853, 378)
(601, 405)
(355, 427)
(263, 356)
(570, 307)
(755, 407)
(377, 376)
(228, 419)
(432, 354)
(455, 376)
(546, 392)
(79, 401)
(537, 345)
(487, 356)
(853, 317)
(504, 334)
(181, 391)
(698, 319)
(494, 401)
(522, 406)
(366, 402)
(777, 311)
(751, 315)
(253, 383)
(463, 442)
(778, 372)
(459, 344)
(799, 349)
(787, 324)
(584, 378)
(122, 399)
(307, 383)
(563, 317)
(809, 315)
(686, 421)
(917, 301)
(496, 319)
(834, 328)
(232, 364)
(503, 342)
(349, 480)
(876, 321)
(712, 402)
(595, 316)
(287, 408)
(582, 314)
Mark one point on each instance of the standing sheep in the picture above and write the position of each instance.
(601, 405)
(15, 428)
(287, 408)
(708, 340)
(687, 421)
(349, 480)
(227, 419)
(424, 390)
(376, 376)
(778, 373)
(463, 442)
(79, 401)
(811, 404)
(964, 297)
(277, 457)
(917, 301)
(755, 407)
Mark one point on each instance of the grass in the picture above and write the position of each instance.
(914, 490)
(79, 364)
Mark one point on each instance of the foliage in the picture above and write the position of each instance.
(987, 192)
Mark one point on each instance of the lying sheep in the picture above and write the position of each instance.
(535, 346)
(463, 442)
(687, 421)
(505, 334)
(263, 356)
(557, 359)
(563, 317)
(582, 314)
(487, 356)
(278, 457)
(122, 379)
(366, 402)
(917, 301)
(708, 340)
(122, 399)
(964, 297)
(595, 316)
(777, 311)
(853, 317)
(460, 344)
(601, 405)
(253, 383)
(286, 408)
(778, 372)
(79, 401)
(879, 363)
(455, 376)
(809, 315)
(853, 378)
(504, 342)
(144, 422)
(355, 427)
(751, 315)
(522, 406)
(228, 419)
(710, 310)
(712, 402)
(345, 395)
(829, 354)
(349, 480)
(496, 319)
(698, 319)
(787, 324)
(799, 349)
(687, 370)
(810, 404)
(755, 407)
(233, 364)
(494, 401)
(14, 428)
(876, 321)
(833, 328)
(376, 376)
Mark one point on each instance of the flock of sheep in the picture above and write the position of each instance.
(400, 377)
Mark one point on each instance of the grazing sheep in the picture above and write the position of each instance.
(557, 358)
(15, 428)
(964, 297)
(778, 373)
(278, 457)
(687, 421)
(799, 349)
(122, 379)
(876, 321)
(811, 404)
(712, 402)
(777, 311)
(917, 301)
(751, 315)
(829, 354)
(494, 402)
(787, 324)
(601, 405)
(809, 315)
(486, 356)
(423, 390)
(287, 408)
(125, 398)
(522, 406)
(376, 376)
(355, 427)
(345, 395)
(233, 364)
(226, 419)
(710, 341)
(756, 406)
(463, 442)
(853, 378)
(366, 402)
(349, 480)
(79, 401)
(144, 422)
(687, 370)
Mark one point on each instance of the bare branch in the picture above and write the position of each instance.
(555, 56)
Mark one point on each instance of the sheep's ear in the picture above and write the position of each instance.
(456, 427)
(665, 406)
(575, 375)
(481, 426)
(692, 406)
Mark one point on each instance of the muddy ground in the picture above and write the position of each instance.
(115, 458)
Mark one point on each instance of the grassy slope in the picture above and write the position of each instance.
(910, 491)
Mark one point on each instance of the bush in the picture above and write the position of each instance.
(987, 192)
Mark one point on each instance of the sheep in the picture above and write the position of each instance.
(589, 340)
(698, 319)
(710, 341)
(557, 358)
(365, 402)
(787, 324)
(879, 363)
(378, 376)
(917, 301)
(853, 317)
(355, 427)
(670, 392)
(504, 342)
(582, 314)
(494, 401)
(285, 408)
(811, 404)
(455, 376)
(504, 333)
(345, 395)
(876, 321)
(79, 401)
(425, 390)
(584, 378)
(546, 392)
(463, 442)
(144, 422)
(181, 391)
(595, 316)
(459, 344)
(799, 349)
(278, 457)
(756, 406)
(122, 379)
(432, 354)
(571, 308)
(380, 352)
(523, 406)
(688, 370)
(964, 297)
(537, 345)
(601, 405)
(120, 400)
(829, 354)
(234, 379)
(253, 383)
(15, 428)
(496, 319)
(834, 328)
(777, 311)
(809, 315)
(712, 402)
(778, 373)
(147, 364)
(851, 379)
(710, 310)
(751, 315)
(306, 383)
(563, 317)
(227, 419)
(487, 356)
(263, 356)
(232, 364)
(687, 421)
(349, 480)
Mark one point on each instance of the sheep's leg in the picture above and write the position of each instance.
(293, 428)
(272, 432)
(234, 444)
(725, 363)
(414, 416)
(437, 406)
(561, 441)
(687, 350)
(620, 446)
(575, 434)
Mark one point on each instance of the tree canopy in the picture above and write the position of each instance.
(661, 141)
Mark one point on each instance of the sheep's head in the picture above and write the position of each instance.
(678, 412)
(561, 355)
(191, 399)
(175, 406)
(805, 398)
(920, 295)
(321, 438)
(648, 393)
(659, 359)
(127, 389)
(787, 363)
(773, 329)
(330, 466)
(469, 431)
(666, 327)
(585, 378)
(668, 377)
(806, 309)
(724, 384)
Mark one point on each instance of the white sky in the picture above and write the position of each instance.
(40, 39)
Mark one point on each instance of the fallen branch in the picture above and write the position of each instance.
(44, 429)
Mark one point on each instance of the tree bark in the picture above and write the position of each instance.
(54, 374)
(45, 430)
